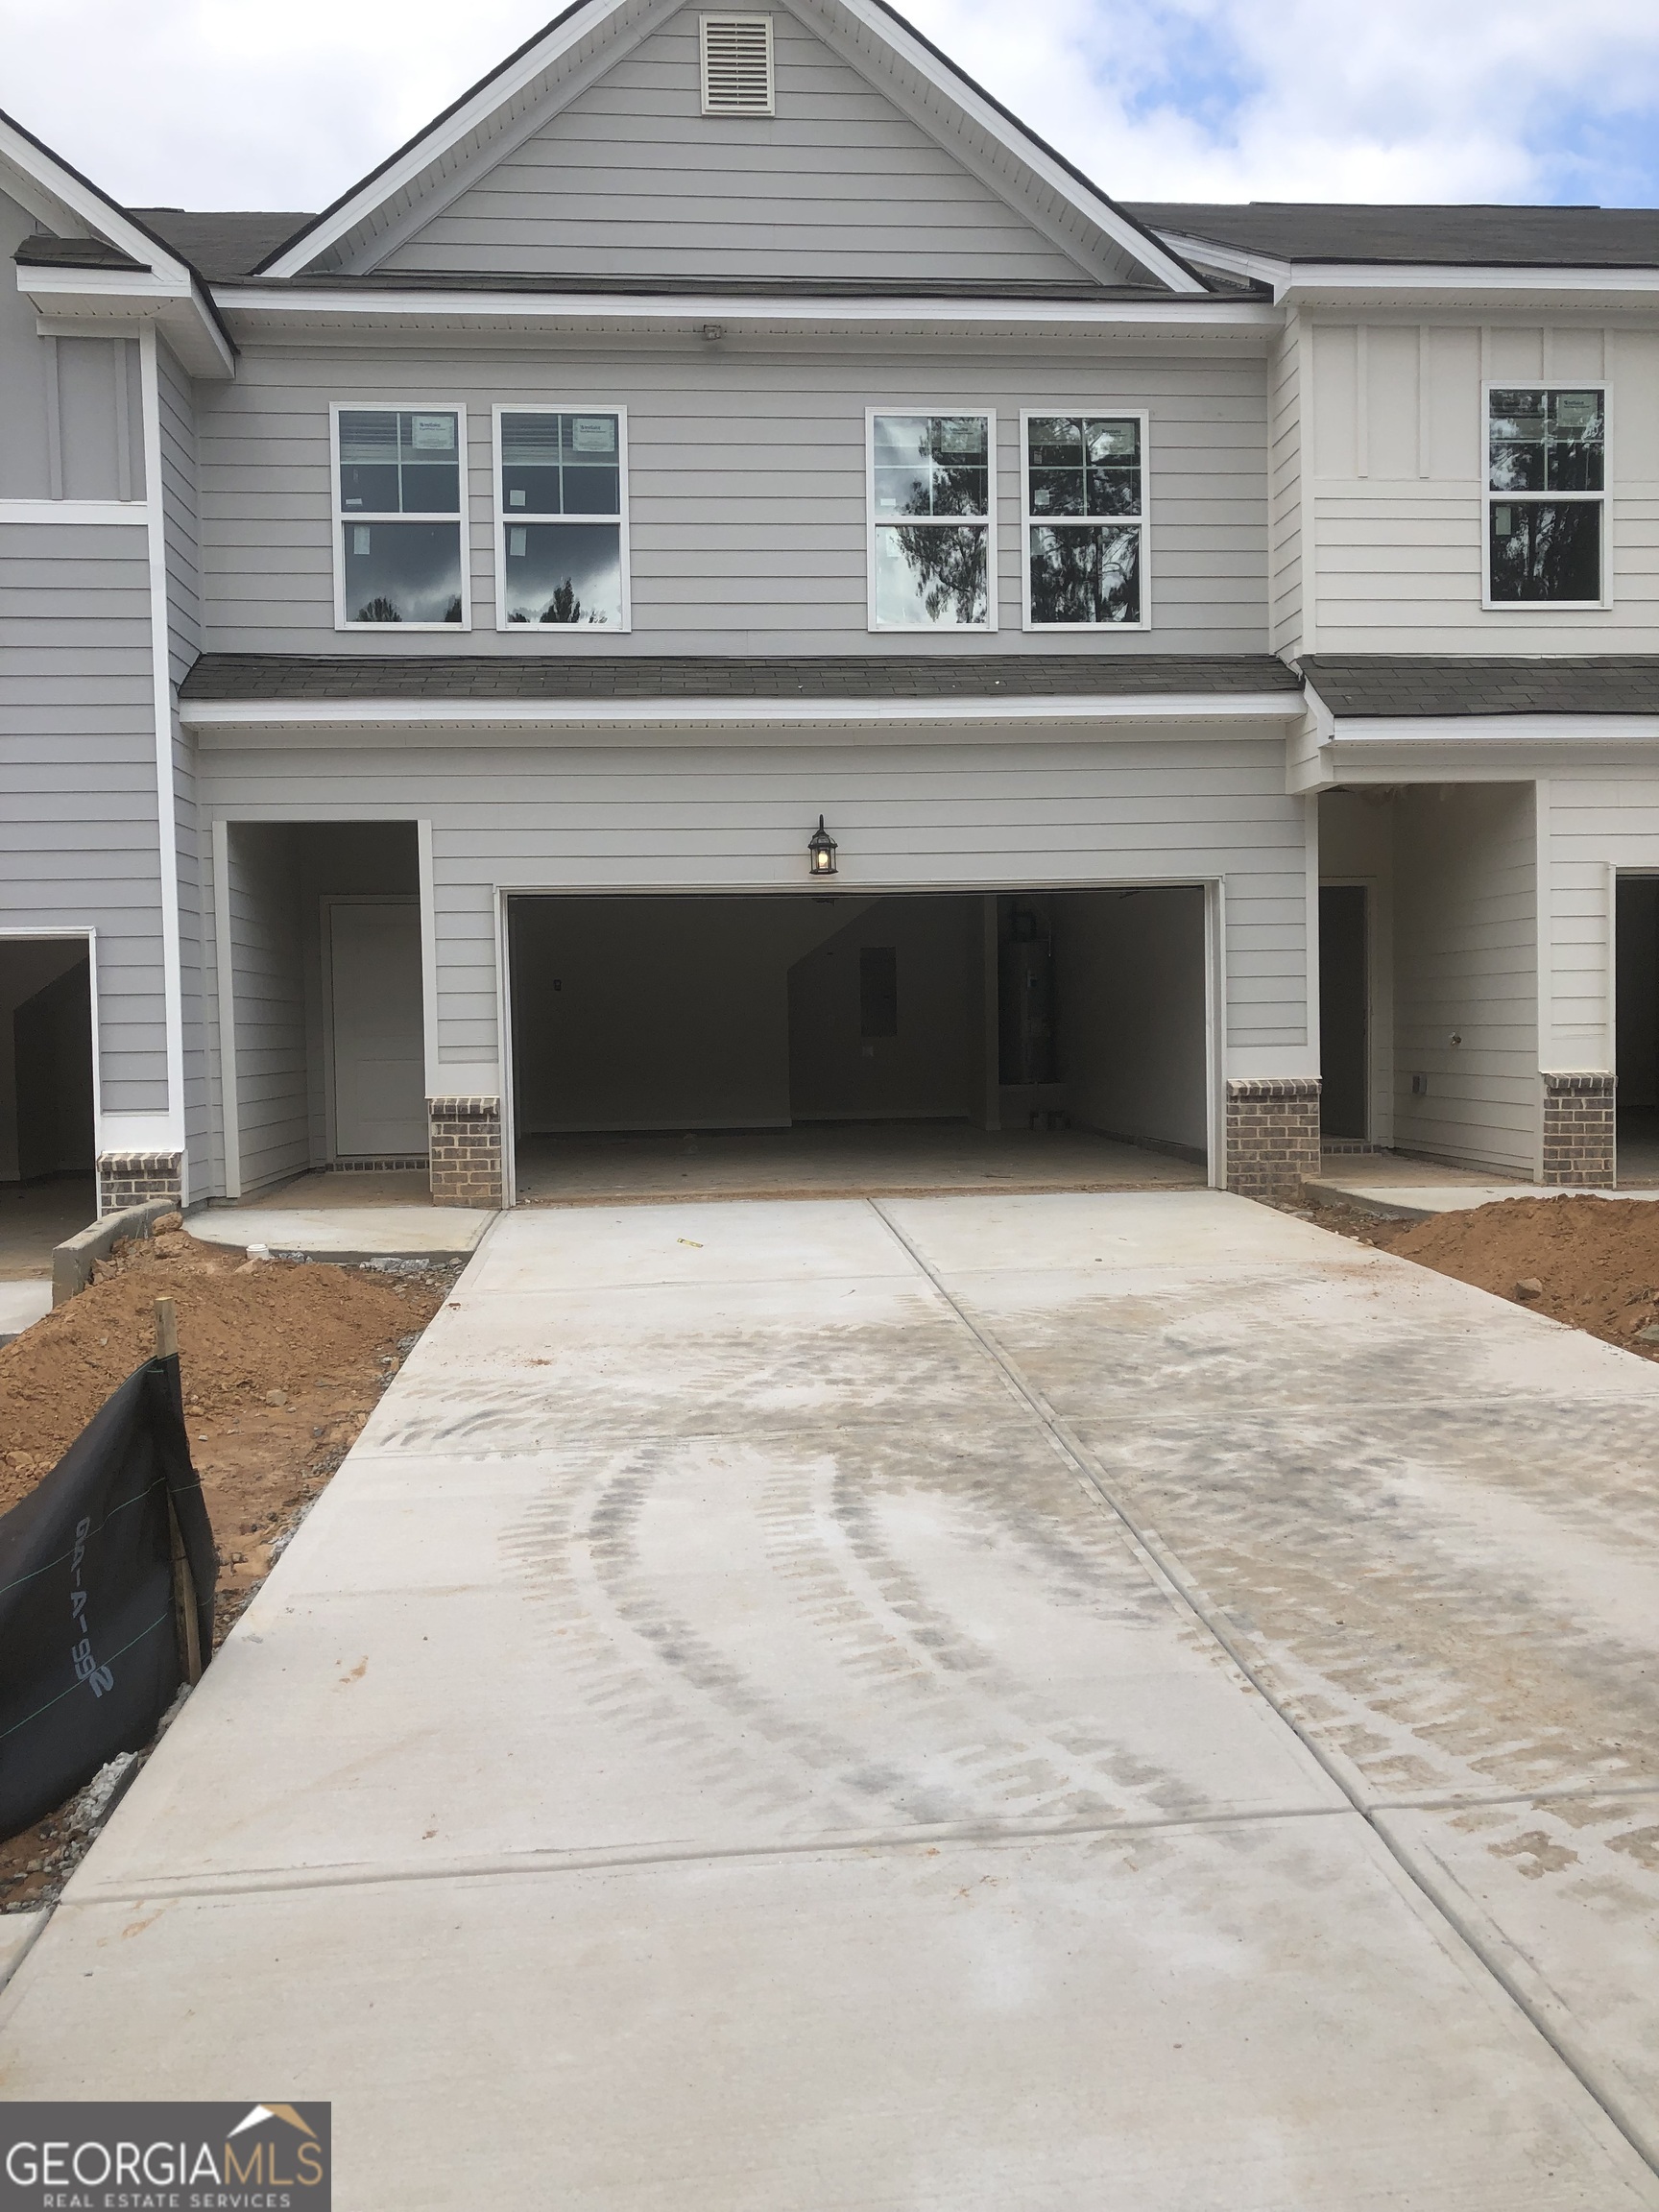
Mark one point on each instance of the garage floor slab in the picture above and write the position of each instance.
(961, 1701)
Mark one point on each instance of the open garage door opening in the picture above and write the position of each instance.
(48, 1189)
(787, 1043)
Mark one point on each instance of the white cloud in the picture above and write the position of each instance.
(239, 103)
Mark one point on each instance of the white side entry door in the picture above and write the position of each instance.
(378, 1039)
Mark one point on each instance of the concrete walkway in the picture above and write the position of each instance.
(1121, 1701)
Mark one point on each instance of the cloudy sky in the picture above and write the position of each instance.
(245, 104)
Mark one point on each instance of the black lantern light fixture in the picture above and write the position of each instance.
(821, 851)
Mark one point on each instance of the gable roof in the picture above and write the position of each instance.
(1487, 237)
(578, 46)
(221, 246)
(92, 234)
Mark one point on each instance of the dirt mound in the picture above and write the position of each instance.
(245, 1328)
(1592, 1262)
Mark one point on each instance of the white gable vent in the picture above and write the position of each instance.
(738, 66)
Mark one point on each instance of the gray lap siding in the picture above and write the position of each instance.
(747, 487)
(613, 816)
(78, 827)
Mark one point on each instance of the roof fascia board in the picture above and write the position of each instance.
(420, 309)
(1309, 280)
(373, 246)
(69, 307)
(461, 713)
(89, 206)
(438, 139)
(1414, 729)
(1143, 247)
(1232, 261)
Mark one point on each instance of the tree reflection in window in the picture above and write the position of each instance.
(931, 495)
(1546, 473)
(1084, 519)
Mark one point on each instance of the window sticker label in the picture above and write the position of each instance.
(592, 434)
(432, 433)
(360, 540)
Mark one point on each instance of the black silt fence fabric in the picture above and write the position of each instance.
(89, 1648)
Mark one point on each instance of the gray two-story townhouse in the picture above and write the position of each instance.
(727, 586)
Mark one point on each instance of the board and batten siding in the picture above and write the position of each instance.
(1025, 813)
(633, 178)
(747, 486)
(1398, 463)
(1465, 966)
(78, 824)
(1595, 822)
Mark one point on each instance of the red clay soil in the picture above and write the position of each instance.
(1592, 1262)
(282, 1364)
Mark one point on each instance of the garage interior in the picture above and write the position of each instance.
(838, 1042)
(47, 1145)
(1636, 1016)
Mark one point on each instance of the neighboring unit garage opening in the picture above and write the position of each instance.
(325, 1052)
(48, 1145)
(895, 1035)
(1637, 1021)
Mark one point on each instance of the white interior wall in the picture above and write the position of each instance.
(27, 965)
(269, 983)
(657, 1013)
(932, 1067)
(1357, 846)
(1466, 966)
(1130, 1000)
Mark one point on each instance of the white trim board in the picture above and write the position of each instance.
(101, 512)
(166, 808)
(722, 713)
(689, 311)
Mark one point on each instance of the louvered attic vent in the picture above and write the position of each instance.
(738, 66)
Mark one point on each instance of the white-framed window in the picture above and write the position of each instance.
(399, 507)
(1083, 537)
(562, 518)
(738, 73)
(1546, 496)
(932, 507)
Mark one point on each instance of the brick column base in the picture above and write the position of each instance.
(1578, 1130)
(465, 1151)
(1272, 1135)
(134, 1178)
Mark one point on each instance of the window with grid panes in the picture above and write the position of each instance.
(562, 517)
(1085, 518)
(399, 514)
(930, 521)
(1545, 482)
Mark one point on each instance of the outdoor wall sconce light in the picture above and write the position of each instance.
(821, 851)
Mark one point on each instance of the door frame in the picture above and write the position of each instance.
(326, 902)
(1212, 888)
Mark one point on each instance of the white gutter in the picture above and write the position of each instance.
(477, 714)
(161, 691)
(1185, 313)
(1310, 279)
(1496, 729)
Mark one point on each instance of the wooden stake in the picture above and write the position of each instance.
(185, 1623)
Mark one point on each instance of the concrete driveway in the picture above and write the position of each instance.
(1056, 1702)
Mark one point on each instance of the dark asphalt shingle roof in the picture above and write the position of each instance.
(284, 677)
(1403, 685)
(1518, 237)
(219, 247)
(39, 251)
